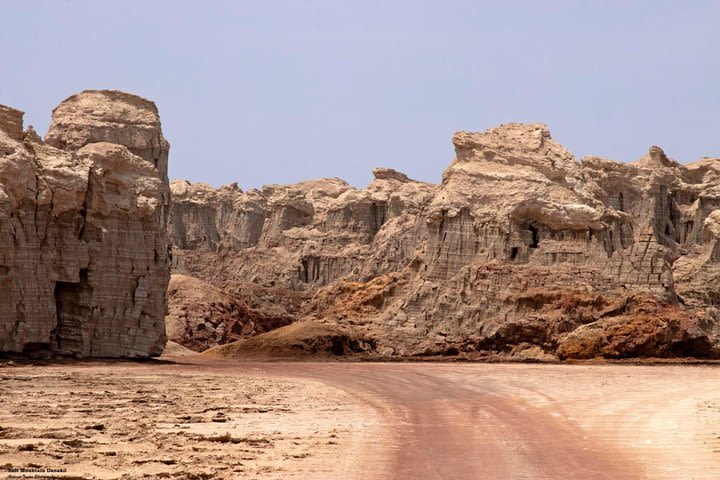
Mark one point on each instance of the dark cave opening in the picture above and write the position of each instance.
(535, 238)
(71, 315)
(304, 272)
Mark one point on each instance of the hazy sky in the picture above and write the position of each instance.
(279, 91)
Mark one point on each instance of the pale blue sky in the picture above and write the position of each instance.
(279, 91)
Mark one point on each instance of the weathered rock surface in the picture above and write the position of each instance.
(202, 316)
(641, 326)
(297, 236)
(84, 261)
(520, 248)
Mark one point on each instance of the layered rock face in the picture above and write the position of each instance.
(520, 248)
(84, 260)
(300, 236)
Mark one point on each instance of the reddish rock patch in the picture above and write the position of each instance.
(203, 316)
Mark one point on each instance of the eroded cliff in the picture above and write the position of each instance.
(520, 249)
(84, 260)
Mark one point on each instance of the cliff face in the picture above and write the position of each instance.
(301, 236)
(84, 261)
(519, 248)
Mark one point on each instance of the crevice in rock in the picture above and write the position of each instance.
(535, 240)
(310, 271)
(72, 314)
(81, 235)
(378, 215)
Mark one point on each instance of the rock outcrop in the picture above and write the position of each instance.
(521, 250)
(641, 326)
(202, 316)
(84, 260)
(300, 236)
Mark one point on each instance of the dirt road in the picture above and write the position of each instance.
(224, 420)
(532, 421)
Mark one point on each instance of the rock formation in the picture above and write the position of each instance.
(84, 261)
(520, 249)
(298, 236)
(202, 316)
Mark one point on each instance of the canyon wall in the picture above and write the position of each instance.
(84, 257)
(520, 250)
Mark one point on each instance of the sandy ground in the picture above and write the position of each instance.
(227, 420)
(130, 421)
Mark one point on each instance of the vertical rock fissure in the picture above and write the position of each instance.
(72, 312)
(535, 240)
